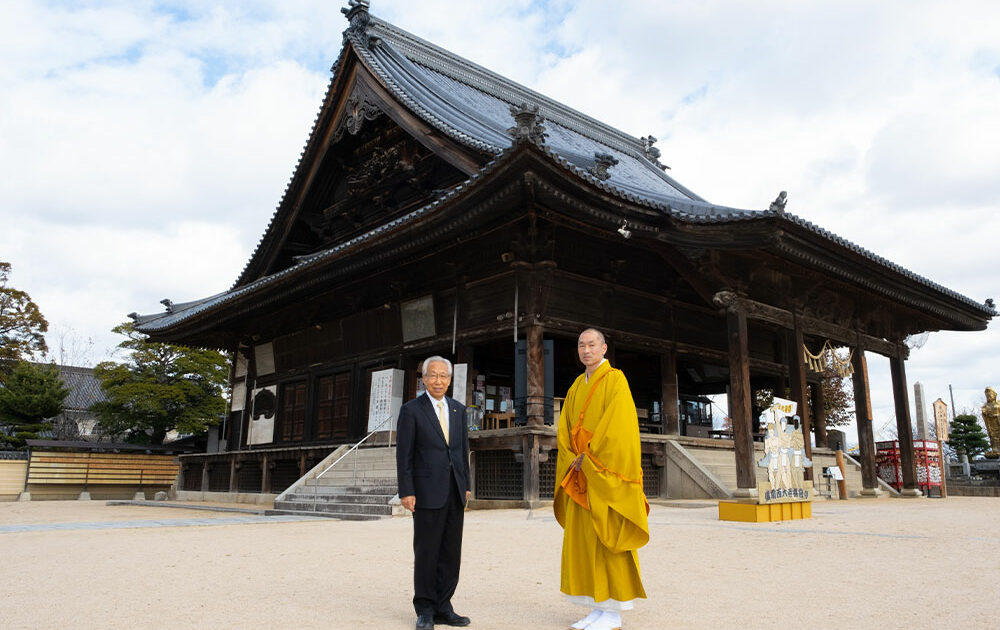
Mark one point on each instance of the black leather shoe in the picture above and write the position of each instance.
(425, 622)
(451, 619)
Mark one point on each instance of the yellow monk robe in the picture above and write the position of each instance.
(601, 507)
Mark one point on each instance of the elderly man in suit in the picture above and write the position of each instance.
(432, 465)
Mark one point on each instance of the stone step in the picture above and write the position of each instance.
(338, 516)
(334, 507)
(389, 489)
(351, 481)
(374, 499)
(368, 465)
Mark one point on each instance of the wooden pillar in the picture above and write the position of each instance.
(863, 412)
(302, 464)
(799, 387)
(265, 474)
(740, 410)
(529, 449)
(819, 413)
(904, 430)
(233, 475)
(669, 394)
(206, 467)
(536, 377)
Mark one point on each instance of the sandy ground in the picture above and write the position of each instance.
(891, 563)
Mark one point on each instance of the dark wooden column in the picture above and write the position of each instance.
(863, 411)
(536, 377)
(529, 449)
(669, 391)
(819, 413)
(903, 427)
(265, 474)
(799, 387)
(740, 410)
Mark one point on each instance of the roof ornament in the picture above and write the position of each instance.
(168, 304)
(602, 162)
(357, 15)
(652, 153)
(528, 125)
(778, 205)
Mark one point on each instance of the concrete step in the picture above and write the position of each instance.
(374, 499)
(389, 489)
(351, 481)
(330, 507)
(333, 515)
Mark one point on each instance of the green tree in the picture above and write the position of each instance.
(160, 387)
(22, 327)
(30, 394)
(967, 435)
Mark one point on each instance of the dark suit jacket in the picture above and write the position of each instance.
(425, 464)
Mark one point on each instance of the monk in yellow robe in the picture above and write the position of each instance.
(599, 501)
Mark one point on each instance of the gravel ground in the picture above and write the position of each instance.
(890, 563)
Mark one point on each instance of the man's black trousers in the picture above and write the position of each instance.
(437, 554)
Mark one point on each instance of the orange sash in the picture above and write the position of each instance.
(575, 482)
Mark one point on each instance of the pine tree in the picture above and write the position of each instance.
(160, 387)
(30, 394)
(968, 436)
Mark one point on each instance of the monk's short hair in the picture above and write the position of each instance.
(596, 332)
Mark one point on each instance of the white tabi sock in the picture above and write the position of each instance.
(589, 619)
(610, 620)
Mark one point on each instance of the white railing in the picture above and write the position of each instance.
(349, 451)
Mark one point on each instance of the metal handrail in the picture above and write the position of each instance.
(349, 451)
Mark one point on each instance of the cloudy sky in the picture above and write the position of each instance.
(144, 145)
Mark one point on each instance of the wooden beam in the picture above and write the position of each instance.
(810, 325)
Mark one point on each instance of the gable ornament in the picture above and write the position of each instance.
(528, 125)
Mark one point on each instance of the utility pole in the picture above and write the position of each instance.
(952, 394)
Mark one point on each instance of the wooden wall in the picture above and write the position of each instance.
(96, 469)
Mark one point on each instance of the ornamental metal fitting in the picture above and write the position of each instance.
(602, 162)
(528, 125)
(357, 14)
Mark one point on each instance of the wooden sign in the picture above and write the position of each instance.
(941, 419)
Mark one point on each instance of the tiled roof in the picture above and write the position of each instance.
(471, 105)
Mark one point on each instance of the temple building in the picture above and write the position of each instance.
(439, 208)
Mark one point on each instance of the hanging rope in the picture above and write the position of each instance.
(817, 362)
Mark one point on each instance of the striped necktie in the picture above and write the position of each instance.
(443, 420)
